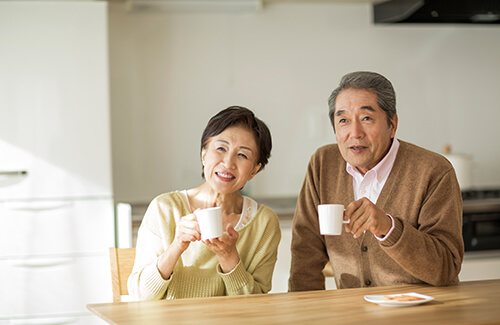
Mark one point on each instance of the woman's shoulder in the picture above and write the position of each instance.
(169, 201)
(268, 222)
(266, 215)
(264, 209)
(173, 196)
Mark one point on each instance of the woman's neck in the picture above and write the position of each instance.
(203, 197)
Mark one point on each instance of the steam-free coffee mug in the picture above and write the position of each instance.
(331, 218)
(210, 222)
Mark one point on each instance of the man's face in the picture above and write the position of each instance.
(362, 131)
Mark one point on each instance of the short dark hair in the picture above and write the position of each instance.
(371, 81)
(242, 117)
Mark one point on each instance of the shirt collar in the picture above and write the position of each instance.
(383, 168)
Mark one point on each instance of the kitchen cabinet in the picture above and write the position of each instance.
(282, 268)
(53, 228)
(55, 285)
(480, 265)
(56, 202)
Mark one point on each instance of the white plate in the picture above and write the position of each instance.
(383, 301)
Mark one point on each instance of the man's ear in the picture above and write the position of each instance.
(394, 125)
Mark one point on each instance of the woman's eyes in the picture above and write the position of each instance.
(223, 149)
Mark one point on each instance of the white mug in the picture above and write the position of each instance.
(331, 218)
(210, 222)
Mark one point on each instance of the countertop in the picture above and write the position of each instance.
(283, 206)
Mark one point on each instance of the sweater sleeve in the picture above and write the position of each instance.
(254, 272)
(309, 255)
(432, 252)
(145, 281)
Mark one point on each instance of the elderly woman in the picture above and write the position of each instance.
(171, 259)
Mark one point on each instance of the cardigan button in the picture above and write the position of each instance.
(364, 248)
(368, 282)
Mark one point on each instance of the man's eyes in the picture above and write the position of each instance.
(344, 120)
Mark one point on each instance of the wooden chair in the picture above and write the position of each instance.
(327, 271)
(122, 262)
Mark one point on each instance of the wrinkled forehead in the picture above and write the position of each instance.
(351, 99)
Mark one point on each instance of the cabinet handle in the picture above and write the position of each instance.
(44, 321)
(39, 206)
(13, 173)
(11, 177)
(41, 262)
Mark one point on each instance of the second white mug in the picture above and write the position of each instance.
(331, 219)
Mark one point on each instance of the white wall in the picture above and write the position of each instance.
(170, 72)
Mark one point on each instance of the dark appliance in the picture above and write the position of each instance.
(481, 219)
(437, 11)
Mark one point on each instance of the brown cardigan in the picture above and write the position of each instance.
(426, 246)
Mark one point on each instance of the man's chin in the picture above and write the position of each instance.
(360, 164)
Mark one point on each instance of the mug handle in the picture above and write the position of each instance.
(345, 221)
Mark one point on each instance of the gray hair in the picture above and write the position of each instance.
(371, 81)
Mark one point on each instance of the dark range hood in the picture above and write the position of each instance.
(438, 11)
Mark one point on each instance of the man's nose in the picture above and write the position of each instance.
(357, 130)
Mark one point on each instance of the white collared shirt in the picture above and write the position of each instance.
(371, 184)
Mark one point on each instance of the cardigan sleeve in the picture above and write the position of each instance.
(432, 252)
(309, 254)
(145, 282)
(259, 256)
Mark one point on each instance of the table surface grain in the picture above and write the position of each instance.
(475, 302)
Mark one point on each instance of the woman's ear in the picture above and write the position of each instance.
(203, 153)
(255, 171)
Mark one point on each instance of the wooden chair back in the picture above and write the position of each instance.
(122, 262)
(327, 271)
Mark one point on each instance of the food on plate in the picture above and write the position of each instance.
(403, 298)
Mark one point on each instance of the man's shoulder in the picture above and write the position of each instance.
(424, 157)
(326, 159)
(329, 149)
(327, 154)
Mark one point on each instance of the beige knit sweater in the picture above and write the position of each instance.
(198, 273)
(426, 245)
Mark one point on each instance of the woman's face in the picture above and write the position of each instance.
(230, 160)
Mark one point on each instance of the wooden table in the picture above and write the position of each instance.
(475, 302)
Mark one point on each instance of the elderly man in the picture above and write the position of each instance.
(403, 202)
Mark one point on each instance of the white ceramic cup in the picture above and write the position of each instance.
(210, 222)
(331, 219)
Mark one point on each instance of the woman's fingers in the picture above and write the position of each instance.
(187, 229)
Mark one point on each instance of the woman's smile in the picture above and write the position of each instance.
(224, 176)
